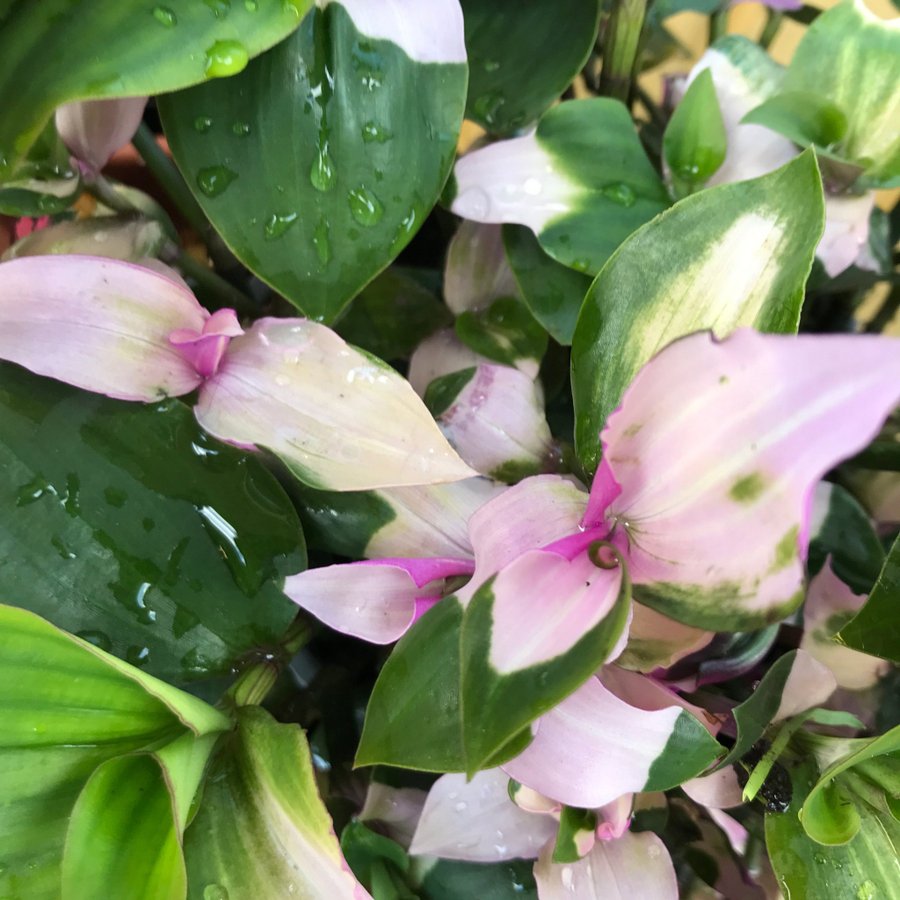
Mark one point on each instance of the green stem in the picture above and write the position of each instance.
(217, 292)
(620, 47)
(718, 25)
(773, 23)
(103, 191)
(169, 179)
(764, 766)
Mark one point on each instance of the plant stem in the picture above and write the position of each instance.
(761, 772)
(718, 25)
(217, 292)
(102, 191)
(773, 23)
(169, 179)
(620, 47)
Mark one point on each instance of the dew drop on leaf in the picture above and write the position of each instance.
(365, 207)
(164, 16)
(220, 8)
(97, 638)
(215, 892)
(240, 129)
(867, 891)
(202, 124)
(251, 5)
(372, 132)
(321, 242)
(277, 224)
(137, 656)
(226, 58)
(214, 180)
(321, 174)
(620, 193)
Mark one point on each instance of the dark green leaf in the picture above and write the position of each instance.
(440, 393)
(574, 825)
(147, 48)
(523, 56)
(802, 117)
(125, 524)
(452, 880)
(505, 332)
(322, 159)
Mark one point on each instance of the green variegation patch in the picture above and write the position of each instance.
(371, 143)
(735, 255)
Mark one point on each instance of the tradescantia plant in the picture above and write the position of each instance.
(440, 458)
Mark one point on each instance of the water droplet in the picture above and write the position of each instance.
(251, 5)
(277, 224)
(580, 265)
(365, 207)
(491, 65)
(462, 806)
(373, 132)
(819, 858)
(214, 180)
(59, 545)
(487, 106)
(138, 656)
(404, 231)
(202, 124)
(321, 242)
(165, 16)
(284, 381)
(115, 497)
(97, 638)
(371, 80)
(296, 8)
(321, 174)
(567, 876)
(532, 187)
(473, 203)
(37, 488)
(620, 193)
(226, 58)
(241, 129)
(215, 892)
(220, 8)
(867, 890)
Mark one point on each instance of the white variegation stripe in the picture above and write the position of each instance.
(428, 31)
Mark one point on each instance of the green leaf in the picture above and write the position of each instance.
(262, 830)
(851, 58)
(496, 707)
(582, 182)
(413, 719)
(694, 143)
(847, 534)
(866, 868)
(754, 715)
(369, 855)
(450, 879)
(125, 524)
(316, 186)
(68, 708)
(828, 815)
(574, 825)
(147, 49)
(666, 281)
(505, 332)
(443, 390)
(392, 315)
(522, 57)
(551, 291)
(802, 117)
(875, 629)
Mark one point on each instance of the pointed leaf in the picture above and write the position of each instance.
(581, 182)
(531, 635)
(593, 747)
(828, 396)
(522, 58)
(95, 129)
(324, 157)
(69, 707)
(476, 271)
(505, 332)
(551, 291)
(338, 418)
(146, 50)
(756, 237)
(99, 324)
(262, 830)
(801, 116)
(128, 525)
(874, 629)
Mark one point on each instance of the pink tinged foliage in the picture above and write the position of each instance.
(397, 810)
(94, 129)
(829, 606)
(441, 353)
(593, 747)
(204, 349)
(780, 412)
(376, 601)
(614, 818)
(101, 325)
(477, 821)
(718, 790)
(809, 684)
(498, 419)
(634, 866)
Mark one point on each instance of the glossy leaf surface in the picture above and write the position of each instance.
(147, 49)
(126, 524)
(730, 256)
(320, 161)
